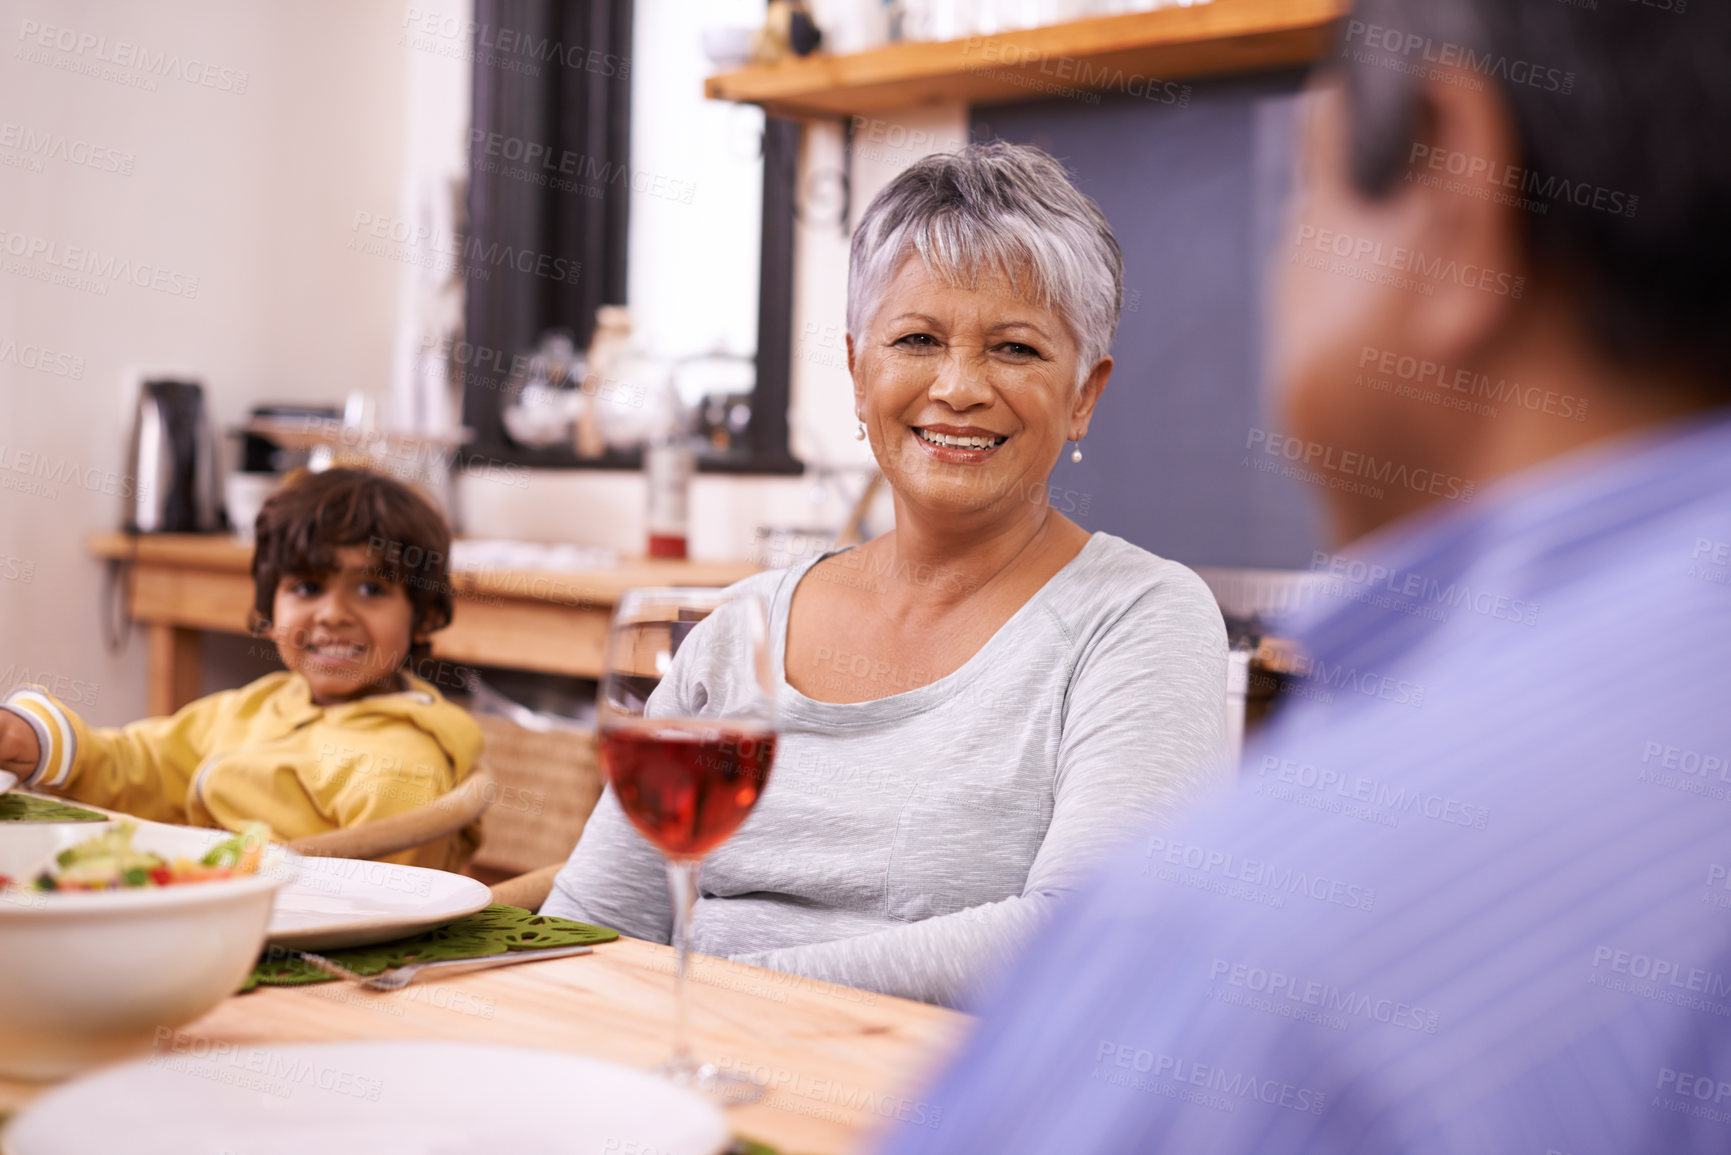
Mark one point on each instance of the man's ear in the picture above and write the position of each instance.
(1088, 396)
(1467, 243)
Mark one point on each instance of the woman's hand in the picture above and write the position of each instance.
(19, 750)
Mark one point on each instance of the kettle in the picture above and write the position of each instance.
(172, 461)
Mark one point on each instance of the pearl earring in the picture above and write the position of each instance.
(1076, 452)
(860, 436)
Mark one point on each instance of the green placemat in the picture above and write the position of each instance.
(492, 931)
(15, 807)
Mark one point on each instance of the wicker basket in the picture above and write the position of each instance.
(548, 784)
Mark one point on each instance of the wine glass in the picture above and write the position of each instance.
(686, 715)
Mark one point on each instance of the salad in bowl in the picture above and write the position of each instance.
(115, 930)
(109, 861)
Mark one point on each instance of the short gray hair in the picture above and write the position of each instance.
(1008, 209)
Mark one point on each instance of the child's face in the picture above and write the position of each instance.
(346, 632)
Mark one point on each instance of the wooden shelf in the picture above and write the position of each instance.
(221, 553)
(1106, 54)
(554, 623)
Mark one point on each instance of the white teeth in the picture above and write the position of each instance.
(954, 442)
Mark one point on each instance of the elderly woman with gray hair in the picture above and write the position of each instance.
(977, 704)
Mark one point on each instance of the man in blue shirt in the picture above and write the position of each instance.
(1472, 890)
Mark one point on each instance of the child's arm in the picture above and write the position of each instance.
(142, 769)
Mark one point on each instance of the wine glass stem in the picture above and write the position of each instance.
(682, 881)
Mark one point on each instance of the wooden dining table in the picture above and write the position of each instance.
(840, 1064)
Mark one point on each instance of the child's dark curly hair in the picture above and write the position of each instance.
(302, 526)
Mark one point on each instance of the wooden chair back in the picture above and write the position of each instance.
(549, 782)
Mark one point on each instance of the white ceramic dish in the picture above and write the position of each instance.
(342, 902)
(727, 48)
(7, 780)
(86, 977)
(382, 1098)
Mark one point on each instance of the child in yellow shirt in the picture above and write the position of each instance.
(351, 577)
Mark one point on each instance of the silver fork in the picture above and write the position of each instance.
(399, 977)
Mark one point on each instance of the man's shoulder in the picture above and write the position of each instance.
(1430, 906)
(1596, 822)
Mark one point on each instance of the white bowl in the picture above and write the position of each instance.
(86, 977)
(244, 495)
(727, 48)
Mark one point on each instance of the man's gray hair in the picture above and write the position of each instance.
(994, 209)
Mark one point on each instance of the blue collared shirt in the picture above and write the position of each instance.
(1472, 890)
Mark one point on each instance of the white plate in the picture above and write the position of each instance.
(7, 780)
(385, 1098)
(341, 902)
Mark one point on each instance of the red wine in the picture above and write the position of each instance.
(687, 785)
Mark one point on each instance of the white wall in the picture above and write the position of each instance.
(252, 192)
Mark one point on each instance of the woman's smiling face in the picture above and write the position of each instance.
(968, 394)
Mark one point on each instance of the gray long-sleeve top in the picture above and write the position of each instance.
(910, 844)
